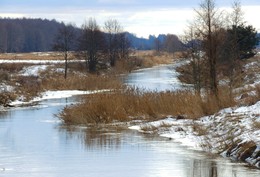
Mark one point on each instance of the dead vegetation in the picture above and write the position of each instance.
(151, 58)
(35, 56)
(126, 104)
(78, 78)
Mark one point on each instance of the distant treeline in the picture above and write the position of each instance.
(37, 35)
(27, 35)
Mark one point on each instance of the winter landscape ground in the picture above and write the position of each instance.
(232, 132)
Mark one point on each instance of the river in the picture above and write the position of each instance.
(35, 143)
(159, 78)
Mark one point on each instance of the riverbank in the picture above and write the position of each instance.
(232, 132)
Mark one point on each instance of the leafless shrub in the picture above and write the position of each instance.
(29, 86)
(4, 76)
(6, 97)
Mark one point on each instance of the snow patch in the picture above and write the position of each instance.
(6, 88)
(55, 95)
(33, 70)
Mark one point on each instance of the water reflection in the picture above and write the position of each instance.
(3, 114)
(204, 169)
(33, 142)
(155, 155)
(160, 78)
(94, 137)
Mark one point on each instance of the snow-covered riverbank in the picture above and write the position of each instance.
(232, 132)
(53, 95)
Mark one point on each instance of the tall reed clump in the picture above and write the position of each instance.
(79, 82)
(128, 104)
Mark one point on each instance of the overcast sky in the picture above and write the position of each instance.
(142, 17)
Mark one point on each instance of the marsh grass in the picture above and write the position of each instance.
(126, 104)
(151, 59)
(79, 82)
(35, 56)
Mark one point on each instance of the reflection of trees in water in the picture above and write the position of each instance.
(214, 168)
(204, 168)
(95, 137)
(4, 114)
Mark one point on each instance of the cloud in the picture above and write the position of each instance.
(139, 17)
(251, 15)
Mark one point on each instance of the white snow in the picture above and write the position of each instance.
(6, 88)
(54, 95)
(227, 125)
(33, 70)
(178, 130)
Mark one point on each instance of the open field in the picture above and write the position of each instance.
(32, 56)
(26, 75)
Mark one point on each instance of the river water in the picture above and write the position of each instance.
(159, 78)
(35, 143)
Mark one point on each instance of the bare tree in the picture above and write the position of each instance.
(234, 65)
(208, 26)
(193, 52)
(157, 45)
(64, 42)
(124, 46)
(172, 43)
(113, 29)
(91, 42)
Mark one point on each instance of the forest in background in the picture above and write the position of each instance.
(37, 35)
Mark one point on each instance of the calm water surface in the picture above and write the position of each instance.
(159, 78)
(34, 143)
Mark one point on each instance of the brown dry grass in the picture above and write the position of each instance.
(35, 56)
(151, 58)
(250, 95)
(256, 124)
(125, 104)
(78, 81)
(6, 97)
(51, 79)
(28, 86)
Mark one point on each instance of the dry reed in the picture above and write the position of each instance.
(126, 104)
